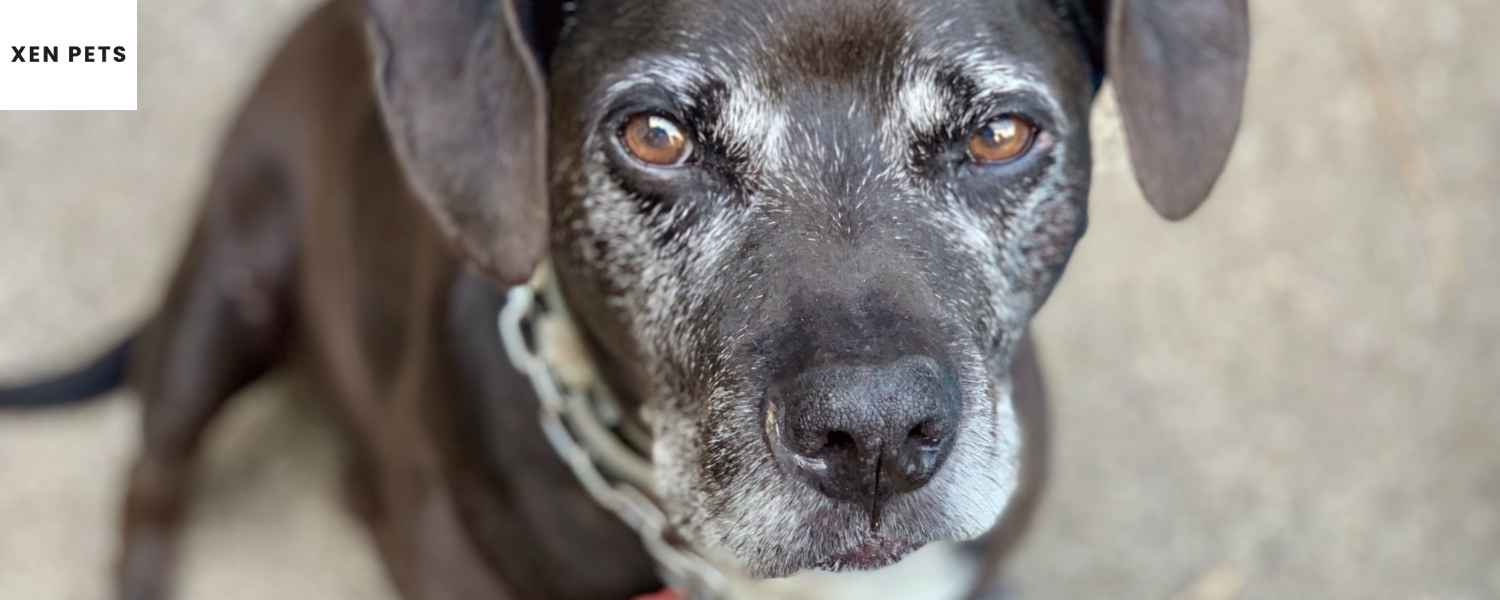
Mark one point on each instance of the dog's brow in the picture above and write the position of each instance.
(994, 76)
(676, 75)
(753, 121)
(924, 102)
(947, 89)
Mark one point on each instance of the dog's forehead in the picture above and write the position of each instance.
(779, 48)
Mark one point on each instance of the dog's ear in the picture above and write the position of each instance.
(1178, 68)
(462, 99)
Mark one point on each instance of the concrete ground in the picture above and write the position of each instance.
(1291, 395)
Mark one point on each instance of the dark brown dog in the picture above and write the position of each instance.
(804, 240)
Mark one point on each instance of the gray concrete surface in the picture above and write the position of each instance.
(1291, 395)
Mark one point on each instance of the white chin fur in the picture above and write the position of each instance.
(939, 571)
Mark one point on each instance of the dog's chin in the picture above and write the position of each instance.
(873, 553)
(869, 553)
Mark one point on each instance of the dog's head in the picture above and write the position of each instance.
(811, 233)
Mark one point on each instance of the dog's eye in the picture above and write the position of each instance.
(655, 140)
(1002, 140)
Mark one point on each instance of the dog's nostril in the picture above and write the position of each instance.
(838, 441)
(926, 434)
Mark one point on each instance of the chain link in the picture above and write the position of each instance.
(567, 407)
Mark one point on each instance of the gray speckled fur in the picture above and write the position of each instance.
(826, 185)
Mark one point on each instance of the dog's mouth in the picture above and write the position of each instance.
(872, 553)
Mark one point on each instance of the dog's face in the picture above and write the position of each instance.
(816, 230)
(808, 235)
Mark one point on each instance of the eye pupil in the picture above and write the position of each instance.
(655, 140)
(1002, 140)
(1002, 131)
(661, 133)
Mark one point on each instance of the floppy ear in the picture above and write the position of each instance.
(463, 101)
(1178, 68)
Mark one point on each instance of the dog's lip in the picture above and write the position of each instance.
(872, 553)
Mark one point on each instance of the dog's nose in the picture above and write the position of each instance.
(858, 433)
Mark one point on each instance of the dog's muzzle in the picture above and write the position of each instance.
(580, 420)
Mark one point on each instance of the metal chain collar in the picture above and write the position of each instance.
(540, 340)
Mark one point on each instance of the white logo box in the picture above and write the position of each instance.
(75, 54)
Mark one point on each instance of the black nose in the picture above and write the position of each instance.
(858, 433)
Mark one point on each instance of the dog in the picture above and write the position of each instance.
(803, 242)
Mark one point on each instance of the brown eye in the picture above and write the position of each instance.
(656, 140)
(1002, 140)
